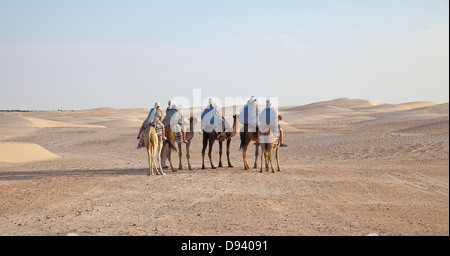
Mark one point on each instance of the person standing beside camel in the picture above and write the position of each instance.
(269, 119)
(269, 133)
(281, 138)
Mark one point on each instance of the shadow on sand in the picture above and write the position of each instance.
(27, 175)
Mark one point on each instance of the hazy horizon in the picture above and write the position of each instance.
(128, 54)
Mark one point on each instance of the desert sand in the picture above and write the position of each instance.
(353, 167)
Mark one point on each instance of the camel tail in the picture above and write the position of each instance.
(171, 145)
(242, 134)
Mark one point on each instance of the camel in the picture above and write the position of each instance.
(170, 134)
(154, 146)
(266, 154)
(246, 138)
(210, 137)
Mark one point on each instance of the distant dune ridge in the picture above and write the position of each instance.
(361, 114)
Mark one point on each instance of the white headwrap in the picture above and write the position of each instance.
(251, 109)
(152, 113)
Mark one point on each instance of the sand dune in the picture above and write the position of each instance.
(418, 104)
(289, 128)
(14, 124)
(440, 109)
(121, 122)
(44, 123)
(385, 108)
(14, 120)
(322, 111)
(340, 103)
(352, 167)
(352, 115)
(24, 152)
(430, 127)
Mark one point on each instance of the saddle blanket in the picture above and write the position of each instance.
(179, 136)
(158, 129)
(276, 139)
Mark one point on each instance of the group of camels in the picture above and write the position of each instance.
(159, 150)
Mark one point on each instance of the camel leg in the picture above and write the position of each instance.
(180, 155)
(262, 159)
(169, 157)
(159, 159)
(220, 154)
(256, 157)
(228, 152)
(266, 158)
(203, 160)
(188, 155)
(149, 155)
(205, 143)
(270, 159)
(164, 154)
(244, 156)
(211, 143)
(278, 159)
(155, 152)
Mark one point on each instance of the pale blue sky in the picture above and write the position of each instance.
(74, 54)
